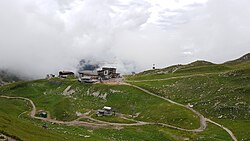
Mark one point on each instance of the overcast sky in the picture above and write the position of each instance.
(44, 36)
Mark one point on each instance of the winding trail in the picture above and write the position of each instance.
(226, 129)
(203, 124)
(33, 111)
(100, 123)
(203, 120)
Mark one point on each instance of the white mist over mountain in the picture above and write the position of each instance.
(44, 36)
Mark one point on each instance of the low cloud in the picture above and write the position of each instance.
(43, 36)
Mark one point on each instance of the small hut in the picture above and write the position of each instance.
(65, 74)
(105, 111)
(42, 114)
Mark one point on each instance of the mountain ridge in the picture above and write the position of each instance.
(194, 64)
(244, 58)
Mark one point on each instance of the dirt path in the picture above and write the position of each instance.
(100, 123)
(203, 120)
(203, 124)
(33, 111)
(226, 129)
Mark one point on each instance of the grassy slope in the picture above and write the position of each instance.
(125, 99)
(179, 70)
(27, 129)
(222, 92)
(47, 95)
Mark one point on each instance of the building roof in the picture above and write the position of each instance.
(65, 72)
(105, 68)
(107, 108)
(86, 72)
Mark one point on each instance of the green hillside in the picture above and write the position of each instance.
(48, 95)
(218, 91)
